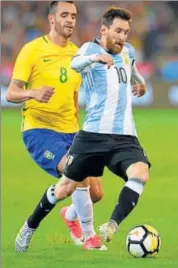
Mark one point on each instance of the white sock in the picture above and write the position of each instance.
(50, 195)
(71, 213)
(84, 208)
(135, 185)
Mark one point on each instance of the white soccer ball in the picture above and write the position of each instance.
(143, 241)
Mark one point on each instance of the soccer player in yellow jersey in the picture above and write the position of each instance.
(43, 79)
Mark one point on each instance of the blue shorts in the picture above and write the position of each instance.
(47, 147)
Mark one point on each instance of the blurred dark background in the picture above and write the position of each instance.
(154, 35)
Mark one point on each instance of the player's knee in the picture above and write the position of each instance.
(145, 177)
(65, 188)
(64, 192)
(139, 170)
(143, 174)
(60, 195)
(69, 191)
(83, 184)
(71, 186)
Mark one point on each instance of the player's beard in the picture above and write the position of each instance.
(112, 47)
(63, 30)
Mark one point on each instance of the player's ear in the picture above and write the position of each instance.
(51, 18)
(103, 30)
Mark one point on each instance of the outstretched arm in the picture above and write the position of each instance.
(80, 62)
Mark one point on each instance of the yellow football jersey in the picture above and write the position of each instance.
(43, 63)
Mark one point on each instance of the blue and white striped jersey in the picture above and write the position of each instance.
(108, 91)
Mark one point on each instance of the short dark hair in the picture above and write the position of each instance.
(116, 12)
(53, 6)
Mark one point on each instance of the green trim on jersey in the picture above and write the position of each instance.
(45, 39)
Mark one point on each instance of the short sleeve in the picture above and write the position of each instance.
(23, 64)
(85, 50)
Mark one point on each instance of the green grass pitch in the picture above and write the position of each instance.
(23, 183)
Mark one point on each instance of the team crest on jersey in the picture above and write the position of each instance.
(126, 60)
(49, 155)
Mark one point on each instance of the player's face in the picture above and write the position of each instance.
(64, 20)
(116, 35)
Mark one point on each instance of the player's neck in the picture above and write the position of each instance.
(57, 39)
(103, 43)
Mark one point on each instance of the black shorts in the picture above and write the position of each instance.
(91, 152)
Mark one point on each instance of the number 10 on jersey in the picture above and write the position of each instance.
(122, 75)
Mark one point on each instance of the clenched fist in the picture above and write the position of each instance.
(139, 90)
(104, 58)
(43, 94)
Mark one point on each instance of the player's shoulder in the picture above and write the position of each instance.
(129, 49)
(90, 47)
(35, 43)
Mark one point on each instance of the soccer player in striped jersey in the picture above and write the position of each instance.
(44, 80)
(109, 136)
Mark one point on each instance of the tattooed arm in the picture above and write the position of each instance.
(16, 92)
(138, 82)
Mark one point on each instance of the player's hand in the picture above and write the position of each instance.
(43, 94)
(139, 90)
(104, 58)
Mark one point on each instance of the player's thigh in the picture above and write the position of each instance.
(121, 160)
(47, 148)
(80, 166)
